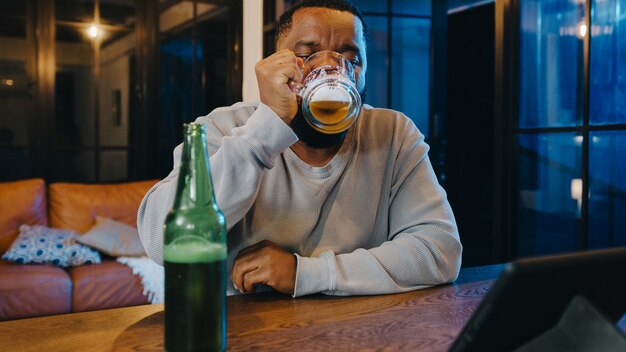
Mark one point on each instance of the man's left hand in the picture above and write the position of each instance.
(264, 263)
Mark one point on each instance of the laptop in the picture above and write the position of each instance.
(536, 300)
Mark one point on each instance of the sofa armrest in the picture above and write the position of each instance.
(22, 202)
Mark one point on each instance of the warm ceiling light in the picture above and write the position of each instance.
(93, 31)
(7, 82)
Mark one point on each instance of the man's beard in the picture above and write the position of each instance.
(313, 138)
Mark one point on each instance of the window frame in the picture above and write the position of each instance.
(507, 99)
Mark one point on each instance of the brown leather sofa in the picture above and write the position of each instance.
(29, 290)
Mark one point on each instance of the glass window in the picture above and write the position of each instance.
(13, 164)
(73, 10)
(607, 189)
(113, 166)
(608, 62)
(176, 83)
(411, 7)
(116, 73)
(114, 102)
(16, 102)
(75, 86)
(410, 69)
(550, 193)
(551, 63)
(16, 92)
(74, 103)
(74, 166)
(376, 77)
(371, 5)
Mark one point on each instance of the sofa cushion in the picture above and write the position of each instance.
(33, 290)
(22, 202)
(106, 285)
(75, 206)
(43, 245)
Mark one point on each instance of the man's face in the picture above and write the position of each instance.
(316, 29)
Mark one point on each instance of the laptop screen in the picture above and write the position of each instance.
(531, 296)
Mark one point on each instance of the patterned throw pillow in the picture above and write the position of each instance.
(44, 245)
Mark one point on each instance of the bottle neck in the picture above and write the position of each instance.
(194, 181)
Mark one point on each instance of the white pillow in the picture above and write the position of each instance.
(113, 238)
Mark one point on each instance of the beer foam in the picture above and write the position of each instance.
(187, 250)
(330, 93)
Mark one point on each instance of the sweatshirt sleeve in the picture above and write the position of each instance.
(423, 247)
(246, 151)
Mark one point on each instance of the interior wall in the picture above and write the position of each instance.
(252, 47)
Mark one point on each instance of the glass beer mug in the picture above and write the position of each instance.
(330, 100)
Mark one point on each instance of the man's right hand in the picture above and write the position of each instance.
(273, 75)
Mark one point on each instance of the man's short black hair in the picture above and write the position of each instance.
(286, 19)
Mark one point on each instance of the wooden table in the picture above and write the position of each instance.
(426, 320)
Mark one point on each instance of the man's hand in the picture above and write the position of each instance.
(264, 263)
(273, 75)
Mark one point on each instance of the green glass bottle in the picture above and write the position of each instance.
(195, 255)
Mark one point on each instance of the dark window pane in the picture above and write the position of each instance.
(176, 87)
(75, 83)
(16, 102)
(13, 21)
(371, 5)
(411, 7)
(115, 72)
(113, 166)
(376, 77)
(72, 10)
(551, 63)
(75, 86)
(607, 189)
(214, 60)
(13, 164)
(608, 62)
(74, 166)
(74, 104)
(550, 193)
(410, 69)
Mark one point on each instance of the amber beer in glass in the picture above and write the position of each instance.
(329, 111)
(331, 114)
(329, 96)
(195, 255)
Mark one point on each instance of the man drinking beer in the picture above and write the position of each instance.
(358, 211)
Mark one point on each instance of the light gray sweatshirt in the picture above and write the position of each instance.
(373, 220)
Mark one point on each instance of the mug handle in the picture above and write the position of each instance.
(296, 87)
